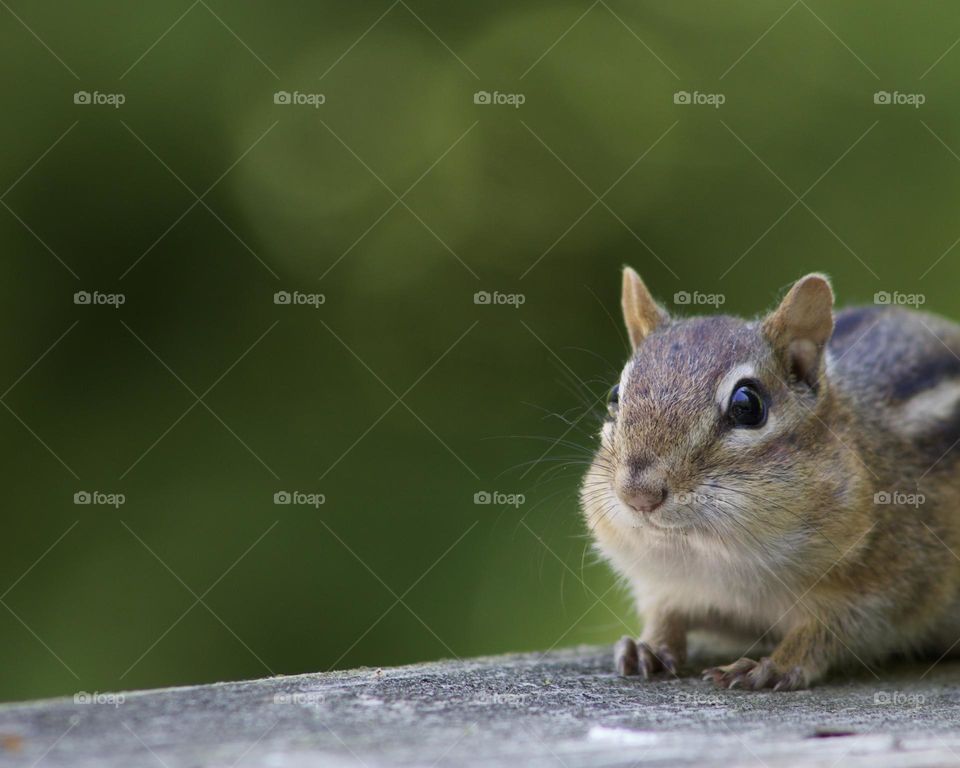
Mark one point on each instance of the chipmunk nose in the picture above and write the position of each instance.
(644, 499)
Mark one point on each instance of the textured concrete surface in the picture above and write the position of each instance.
(563, 709)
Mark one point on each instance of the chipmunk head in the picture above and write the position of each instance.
(715, 422)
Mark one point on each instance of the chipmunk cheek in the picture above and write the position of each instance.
(607, 433)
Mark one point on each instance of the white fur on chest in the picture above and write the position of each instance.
(694, 579)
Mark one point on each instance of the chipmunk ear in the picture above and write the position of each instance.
(641, 314)
(801, 326)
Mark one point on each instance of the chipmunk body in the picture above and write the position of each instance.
(791, 478)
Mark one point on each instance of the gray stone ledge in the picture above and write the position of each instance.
(565, 708)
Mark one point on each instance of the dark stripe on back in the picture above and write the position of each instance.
(850, 320)
(926, 375)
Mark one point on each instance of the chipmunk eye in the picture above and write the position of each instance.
(747, 408)
(614, 398)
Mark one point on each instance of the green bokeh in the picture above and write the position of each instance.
(399, 564)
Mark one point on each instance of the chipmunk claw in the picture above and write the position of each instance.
(663, 657)
(626, 657)
(730, 675)
(640, 658)
(791, 681)
(753, 675)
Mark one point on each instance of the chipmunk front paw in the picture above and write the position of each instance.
(756, 675)
(639, 658)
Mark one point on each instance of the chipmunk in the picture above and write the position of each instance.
(791, 477)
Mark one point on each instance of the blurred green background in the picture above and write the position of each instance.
(199, 575)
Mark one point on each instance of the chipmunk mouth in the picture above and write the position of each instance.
(664, 518)
(657, 521)
(681, 512)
